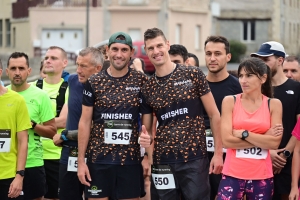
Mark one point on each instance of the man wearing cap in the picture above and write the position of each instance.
(111, 99)
(288, 92)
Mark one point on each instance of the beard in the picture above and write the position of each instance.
(273, 71)
(215, 71)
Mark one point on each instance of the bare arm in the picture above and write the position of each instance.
(147, 120)
(61, 121)
(214, 119)
(273, 141)
(230, 141)
(295, 165)
(17, 184)
(84, 130)
(47, 129)
(292, 142)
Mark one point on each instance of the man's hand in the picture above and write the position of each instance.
(57, 141)
(276, 130)
(278, 161)
(146, 167)
(15, 187)
(216, 164)
(145, 139)
(83, 173)
(294, 194)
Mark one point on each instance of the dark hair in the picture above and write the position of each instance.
(41, 65)
(63, 52)
(153, 33)
(18, 55)
(233, 73)
(178, 49)
(292, 59)
(142, 61)
(218, 39)
(191, 55)
(259, 68)
(1, 66)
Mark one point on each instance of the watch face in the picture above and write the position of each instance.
(287, 153)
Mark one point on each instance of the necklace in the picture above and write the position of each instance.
(162, 85)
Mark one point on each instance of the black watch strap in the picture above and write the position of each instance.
(21, 173)
(33, 124)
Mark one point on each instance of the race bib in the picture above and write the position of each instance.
(117, 131)
(253, 153)
(210, 143)
(72, 160)
(162, 177)
(5, 140)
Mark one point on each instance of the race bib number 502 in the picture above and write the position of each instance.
(5, 140)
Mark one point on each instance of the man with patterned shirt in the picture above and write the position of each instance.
(178, 96)
(111, 99)
(42, 121)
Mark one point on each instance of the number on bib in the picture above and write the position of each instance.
(5, 140)
(162, 177)
(253, 153)
(72, 161)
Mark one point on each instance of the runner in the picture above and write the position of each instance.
(291, 67)
(178, 54)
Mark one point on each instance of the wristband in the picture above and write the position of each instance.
(33, 124)
(63, 135)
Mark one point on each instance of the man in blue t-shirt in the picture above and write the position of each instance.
(88, 62)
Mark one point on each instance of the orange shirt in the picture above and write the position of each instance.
(254, 163)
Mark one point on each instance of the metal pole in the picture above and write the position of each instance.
(87, 21)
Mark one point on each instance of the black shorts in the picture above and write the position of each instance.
(214, 179)
(114, 181)
(34, 183)
(69, 184)
(191, 179)
(4, 187)
(52, 176)
(282, 181)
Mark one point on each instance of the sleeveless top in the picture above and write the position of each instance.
(253, 163)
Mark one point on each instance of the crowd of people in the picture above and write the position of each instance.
(111, 132)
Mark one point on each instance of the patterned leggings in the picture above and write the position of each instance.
(234, 189)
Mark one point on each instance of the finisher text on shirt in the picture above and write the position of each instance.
(173, 113)
(116, 116)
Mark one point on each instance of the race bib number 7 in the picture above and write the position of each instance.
(117, 131)
(162, 177)
(5, 140)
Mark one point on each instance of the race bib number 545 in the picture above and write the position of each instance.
(117, 131)
(5, 140)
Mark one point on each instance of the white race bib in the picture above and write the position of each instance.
(162, 177)
(253, 153)
(5, 140)
(117, 131)
(72, 161)
(210, 143)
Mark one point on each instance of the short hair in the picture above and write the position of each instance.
(18, 55)
(153, 33)
(191, 55)
(218, 39)
(96, 55)
(178, 49)
(292, 59)
(63, 52)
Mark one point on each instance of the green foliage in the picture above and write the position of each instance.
(237, 50)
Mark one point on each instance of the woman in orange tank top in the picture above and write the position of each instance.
(251, 125)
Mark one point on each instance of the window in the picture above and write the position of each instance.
(7, 29)
(135, 34)
(178, 34)
(1, 32)
(197, 37)
(133, 2)
(14, 37)
(248, 31)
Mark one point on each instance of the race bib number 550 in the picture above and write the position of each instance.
(5, 140)
(162, 177)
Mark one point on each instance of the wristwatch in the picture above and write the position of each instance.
(33, 124)
(286, 153)
(245, 134)
(63, 135)
(21, 173)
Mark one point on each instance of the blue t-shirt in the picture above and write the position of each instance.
(74, 113)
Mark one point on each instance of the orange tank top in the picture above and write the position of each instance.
(254, 163)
